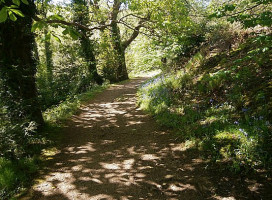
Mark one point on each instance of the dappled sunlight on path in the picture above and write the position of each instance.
(112, 150)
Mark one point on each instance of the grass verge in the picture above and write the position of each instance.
(26, 149)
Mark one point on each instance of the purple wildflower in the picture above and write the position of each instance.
(243, 131)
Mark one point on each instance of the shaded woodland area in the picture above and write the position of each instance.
(213, 87)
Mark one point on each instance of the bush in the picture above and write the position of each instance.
(19, 140)
(15, 175)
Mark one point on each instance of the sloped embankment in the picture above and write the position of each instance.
(220, 104)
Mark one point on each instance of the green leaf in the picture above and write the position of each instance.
(65, 32)
(14, 6)
(47, 37)
(25, 2)
(231, 19)
(212, 16)
(34, 26)
(56, 38)
(58, 17)
(12, 16)
(3, 14)
(17, 12)
(17, 2)
(38, 25)
(74, 34)
(229, 7)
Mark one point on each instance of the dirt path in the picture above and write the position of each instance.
(112, 150)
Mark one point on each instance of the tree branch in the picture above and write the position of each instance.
(133, 35)
(132, 28)
(247, 9)
(56, 21)
(115, 11)
(134, 15)
(190, 5)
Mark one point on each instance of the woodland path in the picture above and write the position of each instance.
(112, 150)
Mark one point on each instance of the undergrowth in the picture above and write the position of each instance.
(70, 106)
(223, 104)
(22, 145)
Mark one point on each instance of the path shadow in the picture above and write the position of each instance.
(112, 150)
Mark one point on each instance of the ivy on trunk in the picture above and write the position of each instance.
(18, 67)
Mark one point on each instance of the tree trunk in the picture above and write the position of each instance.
(81, 16)
(18, 66)
(88, 51)
(48, 60)
(47, 49)
(121, 72)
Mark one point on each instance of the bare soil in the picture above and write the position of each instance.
(112, 150)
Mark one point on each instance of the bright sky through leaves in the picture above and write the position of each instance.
(60, 1)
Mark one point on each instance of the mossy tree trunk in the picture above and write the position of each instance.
(48, 59)
(47, 49)
(81, 16)
(18, 66)
(121, 71)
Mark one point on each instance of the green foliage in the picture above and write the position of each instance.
(239, 12)
(68, 74)
(70, 106)
(219, 101)
(21, 143)
(143, 56)
(73, 33)
(223, 106)
(107, 58)
(15, 175)
(16, 141)
(59, 85)
(10, 11)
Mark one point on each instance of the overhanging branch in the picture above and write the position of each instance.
(56, 21)
(133, 28)
(133, 35)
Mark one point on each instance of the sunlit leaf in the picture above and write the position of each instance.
(3, 14)
(12, 16)
(17, 12)
(17, 2)
(56, 38)
(25, 2)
